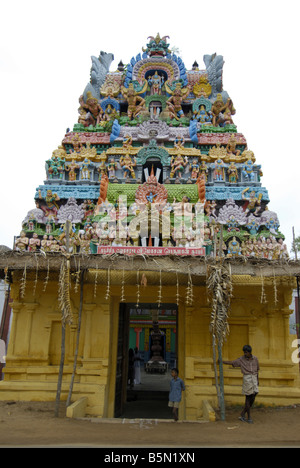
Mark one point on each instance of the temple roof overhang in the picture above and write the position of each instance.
(12, 261)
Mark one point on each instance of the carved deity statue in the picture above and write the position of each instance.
(56, 167)
(253, 201)
(71, 169)
(231, 146)
(155, 82)
(128, 164)
(51, 208)
(248, 171)
(203, 170)
(232, 173)
(219, 173)
(135, 102)
(110, 88)
(194, 168)
(178, 164)
(34, 243)
(202, 116)
(21, 243)
(234, 248)
(85, 169)
(222, 112)
(175, 101)
(93, 109)
(217, 107)
(112, 167)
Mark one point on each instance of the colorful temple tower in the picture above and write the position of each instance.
(153, 183)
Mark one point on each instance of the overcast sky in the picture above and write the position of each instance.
(45, 61)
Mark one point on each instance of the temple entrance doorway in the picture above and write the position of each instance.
(147, 351)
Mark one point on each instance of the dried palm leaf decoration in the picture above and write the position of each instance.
(77, 278)
(275, 289)
(137, 289)
(95, 283)
(23, 282)
(189, 290)
(159, 297)
(36, 276)
(64, 292)
(107, 294)
(219, 285)
(122, 299)
(177, 290)
(47, 278)
(263, 297)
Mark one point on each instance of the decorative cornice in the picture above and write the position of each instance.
(154, 63)
(153, 151)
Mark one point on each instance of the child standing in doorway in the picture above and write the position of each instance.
(176, 388)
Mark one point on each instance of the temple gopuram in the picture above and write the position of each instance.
(151, 202)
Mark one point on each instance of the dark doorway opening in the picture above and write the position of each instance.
(151, 242)
(142, 384)
(157, 167)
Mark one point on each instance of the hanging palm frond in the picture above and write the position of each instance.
(220, 289)
(64, 292)
(275, 289)
(263, 297)
(177, 290)
(95, 284)
(77, 278)
(122, 299)
(107, 295)
(46, 279)
(138, 289)
(36, 276)
(6, 279)
(219, 286)
(159, 297)
(189, 290)
(23, 283)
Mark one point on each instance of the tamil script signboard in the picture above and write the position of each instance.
(182, 251)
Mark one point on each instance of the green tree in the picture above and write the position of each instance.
(296, 245)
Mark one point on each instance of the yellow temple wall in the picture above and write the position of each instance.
(33, 357)
(263, 325)
(34, 349)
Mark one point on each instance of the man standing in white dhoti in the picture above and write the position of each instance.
(249, 367)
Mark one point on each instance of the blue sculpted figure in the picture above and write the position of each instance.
(233, 248)
(247, 170)
(202, 116)
(151, 197)
(115, 131)
(193, 131)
